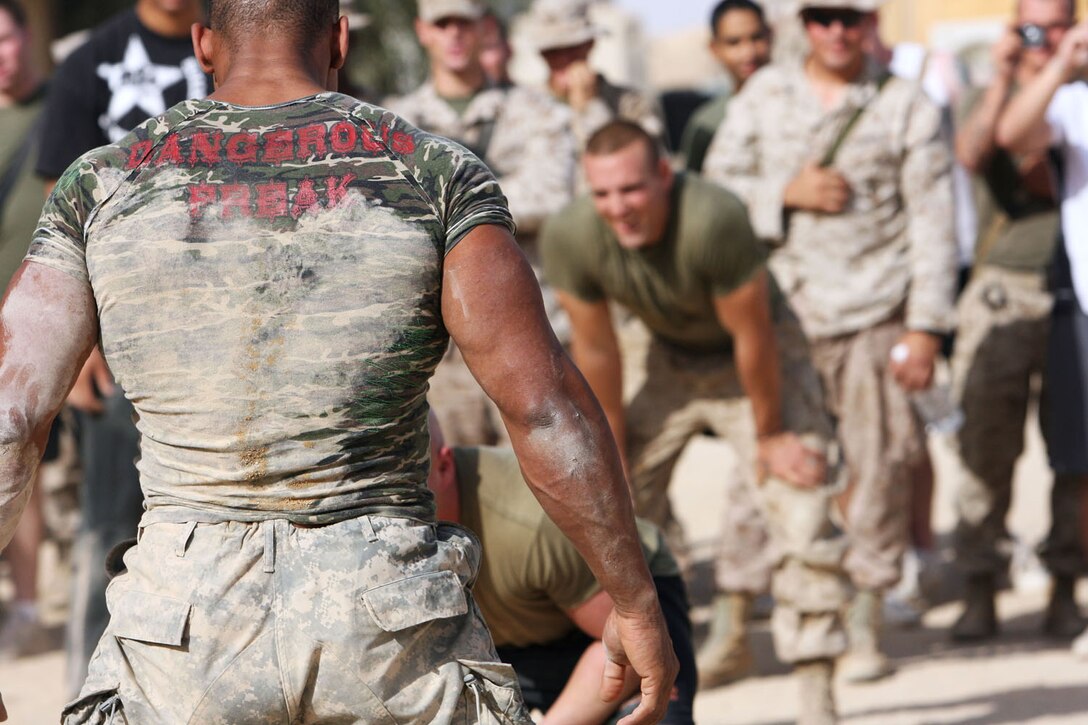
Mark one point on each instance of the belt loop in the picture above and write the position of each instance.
(183, 543)
(368, 530)
(269, 559)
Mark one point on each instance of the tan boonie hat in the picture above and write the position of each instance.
(561, 24)
(863, 6)
(432, 10)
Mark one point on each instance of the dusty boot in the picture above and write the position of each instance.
(726, 656)
(817, 698)
(1063, 617)
(863, 661)
(979, 618)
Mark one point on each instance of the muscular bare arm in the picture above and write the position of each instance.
(746, 314)
(491, 306)
(48, 325)
(596, 352)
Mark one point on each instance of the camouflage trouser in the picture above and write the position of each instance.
(1000, 348)
(772, 534)
(467, 416)
(365, 621)
(883, 442)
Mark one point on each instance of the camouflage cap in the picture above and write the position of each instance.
(432, 10)
(561, 24)
(864, 6)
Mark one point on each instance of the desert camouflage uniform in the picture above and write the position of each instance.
(531, 149)
(269, 291)
(857, 280)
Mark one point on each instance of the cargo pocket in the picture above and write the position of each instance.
(98, 708)
(149, 618)
(491, 696)
(416, 600)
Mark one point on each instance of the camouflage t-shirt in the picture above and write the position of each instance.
(268, 283)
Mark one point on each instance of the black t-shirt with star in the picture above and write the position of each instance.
(123, 75)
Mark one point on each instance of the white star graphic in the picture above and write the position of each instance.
(136, 82)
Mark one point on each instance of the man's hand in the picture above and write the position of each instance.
(784, 456)
(640, 641)
(581, 85)
(817, 189)
(94, 383)
(1005, 54)
(914, 359)
(1072, 53)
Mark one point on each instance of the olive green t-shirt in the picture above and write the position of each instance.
(20, 211)
(531, 573)
(1017, 230)
(709, 250)
(699, 132)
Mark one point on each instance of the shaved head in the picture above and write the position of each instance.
(302, 21)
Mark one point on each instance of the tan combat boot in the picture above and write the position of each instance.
(863, 661)
(726, 656)
(817, 698)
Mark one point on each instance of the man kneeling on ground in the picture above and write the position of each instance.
(544, 607)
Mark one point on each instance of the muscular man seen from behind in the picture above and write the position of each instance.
(272, 273)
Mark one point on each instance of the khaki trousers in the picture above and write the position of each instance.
(882, 441)
(772, 532)
(1000, 350)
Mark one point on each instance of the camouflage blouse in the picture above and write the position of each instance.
(268, 283)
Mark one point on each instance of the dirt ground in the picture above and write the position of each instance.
(1021, 678)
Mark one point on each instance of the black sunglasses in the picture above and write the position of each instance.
(827, 17)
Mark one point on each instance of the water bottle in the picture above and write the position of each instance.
(935, 406)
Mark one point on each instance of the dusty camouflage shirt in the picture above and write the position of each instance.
(617, 102)
(268, 283)
(523, 136)
(894, 247)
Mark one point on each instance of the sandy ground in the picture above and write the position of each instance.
(1021, 678)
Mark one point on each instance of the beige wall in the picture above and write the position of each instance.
(913, 20)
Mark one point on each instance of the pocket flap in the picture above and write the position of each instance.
(410, 602)
(149, 618)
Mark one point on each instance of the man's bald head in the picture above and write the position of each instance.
(302, 22)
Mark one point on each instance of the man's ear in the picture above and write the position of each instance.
(205, 46)
(340, 44)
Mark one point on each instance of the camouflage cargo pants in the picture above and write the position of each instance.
(365, 621)
(1000, 348)
(773, 534)
(882, 442)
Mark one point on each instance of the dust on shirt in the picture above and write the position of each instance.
(269, 283)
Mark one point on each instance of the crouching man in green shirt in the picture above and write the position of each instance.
(545, 609)
(680, 255)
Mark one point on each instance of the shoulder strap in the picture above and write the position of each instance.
(829, 157)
